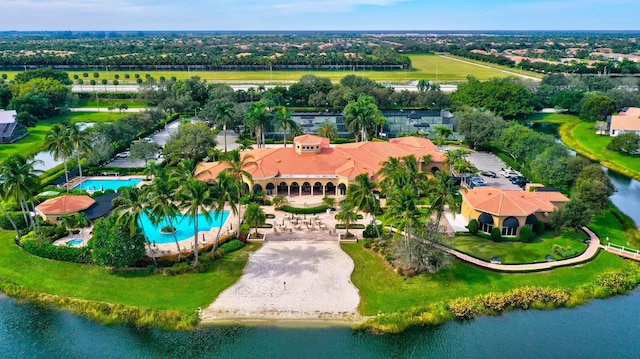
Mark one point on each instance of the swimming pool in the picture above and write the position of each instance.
(76, 242)
(105, 184)
(184, 225)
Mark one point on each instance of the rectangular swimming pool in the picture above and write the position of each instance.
(105, 184)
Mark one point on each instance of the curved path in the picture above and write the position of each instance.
(592, 250)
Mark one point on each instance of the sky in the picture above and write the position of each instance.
(274, 15)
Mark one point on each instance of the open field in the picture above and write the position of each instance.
(115, 103)
(425, 66)
(184, 292)
(518, 252)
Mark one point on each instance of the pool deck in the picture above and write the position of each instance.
(85, 235)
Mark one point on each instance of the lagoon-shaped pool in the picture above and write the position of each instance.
(184, 226)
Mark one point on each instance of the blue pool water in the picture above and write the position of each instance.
(75, 242)
(105, 184)
(184, 224)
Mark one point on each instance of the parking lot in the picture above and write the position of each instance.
(160, 137)
(487, 161)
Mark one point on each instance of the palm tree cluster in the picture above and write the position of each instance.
(362, 115)
(259, 118)
(19, 181)
(407, 189)
(63, 141)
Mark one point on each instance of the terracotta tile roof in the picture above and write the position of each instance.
(346, 160)
(65, 204)
(324, 141)
(629, 120)
(502, 202)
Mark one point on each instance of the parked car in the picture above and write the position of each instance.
(489, 174)
(124, 154)
(476, 182)
(508, 172)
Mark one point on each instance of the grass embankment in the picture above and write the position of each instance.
(426, 299)
(136, 289)
(582, 138)
(425, 66)
(518, 252)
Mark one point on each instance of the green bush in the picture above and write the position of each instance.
(59, 253)
(526, 234)
(351, 226)
(564, 252)
(496, 235)
(370, 231)
(359, 216)
(18, 219)
(311, 210)
(473, 226)
(539, 228)
(232, 246)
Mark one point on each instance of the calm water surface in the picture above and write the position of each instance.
(602, 329)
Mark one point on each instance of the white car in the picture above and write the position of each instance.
(510, 173)
(124, 154)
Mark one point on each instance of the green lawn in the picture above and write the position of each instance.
(115, 103)
(381, 289)
(89, 116)
(185, 292)
(607, 226)
(518, 252)
(424, 67)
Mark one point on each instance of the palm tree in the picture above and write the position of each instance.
(223, 114)
(257, 118)
(19, 179)
(237, 168)
(443, 132)
(195, 199)
(59, 144)
(453, 156)
(284, 122)
(400, 172)
(328, 130)
(226, 190)
(6, 214)
(130, 212)
(81, 142)
(161, 194)
(442, 191)
(402, 213)
(360, 115)
(347, 214)
(254, 216)
(361, 195)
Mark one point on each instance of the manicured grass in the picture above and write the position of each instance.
(383, 290)
(518, 252)
(511, 71)
(89, 116)
(607, 226)
(424, 67)
(185, 292)
(115, 103)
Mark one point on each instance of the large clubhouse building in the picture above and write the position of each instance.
(313, 167)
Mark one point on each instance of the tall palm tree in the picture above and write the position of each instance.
(442, 191)
(6, 214)
(258, 118)
(361, 195)
(237, 168)
(328, 130)
(347, 214)
(223, 114)
(81, 141)
(254, 216)
(131, 210)
(284, 122)
(453, 156)
(402, 213)
(360, 115)
(195, 199)
(226, 191)
(443, 132)
(161, 194)
(400, 172)
(59, 144)
(20, 180)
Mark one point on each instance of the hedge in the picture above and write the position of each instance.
(59, 253)
(311, 210)
(18, 219)
(232, 246)
(351, 226)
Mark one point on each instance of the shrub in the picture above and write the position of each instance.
(473, 226)
(496, 235)
(526, 234)
(232, 246)
(564, 252)
(539, 228)
(370, 231)
(18, 219)
(59, 253)
(312, 210)
(351, 226)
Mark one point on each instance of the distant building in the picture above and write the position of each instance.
(509, 210)
(10, 130)
(398, 121)
(627, 120)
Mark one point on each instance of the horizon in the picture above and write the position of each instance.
(296, 15)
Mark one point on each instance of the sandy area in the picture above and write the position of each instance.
(303, 279)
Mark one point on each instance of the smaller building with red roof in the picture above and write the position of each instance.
(53, 208)
(509, 210)
(313, 167)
